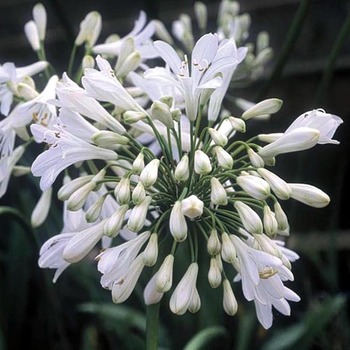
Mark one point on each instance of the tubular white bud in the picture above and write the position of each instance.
(269, 106)
(88, 62)
(138, 164)
(229, 300)
(161, 111)
(131, 117)
(250, 219)
(162, 32)
(254, 186)
(90, 29)
(138, 215)
(41, 209)
(129, 64)
(192, 207)
(176, 114)
(195, 303)
(214, 273)
(281, 217)
(122, 191)
(149, 174)
(298, 139)
(177, 223)
(40, 19)
(213, 244)
(32, 34)
(182, 171)
(268, 138)
(78, 198)
(93, 213)
(109, 139)
(26, 91)
(115, 222)
(138, 194)
(168, 100)
(219, 138)
(200, 11)
(150, 254)
(228, 250)
(201, 163)
(255, 159)
(309, 195)
(218, 194)
(183, 293)
(224, 158)
(238, 124)
(164, 279)
(150, 294)
(70, 187)
(278, 186)
(270, 222)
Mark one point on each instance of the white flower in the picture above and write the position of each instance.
(10, 76)
(41, 210)
(177, 222)
(40, 19)
(114, 263)
(65, 150)
(141, 35)
(278, 186)
(269, 106)
(250, 219)
(325, 123)
(32, 33)
(90, 29)
(254, 186)
(183, 293)
(309, 195)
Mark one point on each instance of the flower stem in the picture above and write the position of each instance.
(152, 327)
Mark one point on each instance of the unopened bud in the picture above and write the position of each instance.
(42, 208)
(90, 29)
(309, 195)
(200, 11)
(138, 194)
(40, 19)
(223, 157)
(161, 111)
(109, 139)
(78, 198)
(138, 215)
(214, 274)
(32, 34)
(115, 222)
(219, 138)
(122, 191)
(278, 186)
(269, 106)
(177, 223)
(88, 62)
(238, 124)
(270, 222)
(182, 171)
(228, 251)
(73, 185)
(149, 174)
(218, 194)
(164, 279)
(250, 219)
(229, 300)
(150, 254)
(93, 213)
(131, 117)
(192, 207)
(281, 217)
(138, 164)
(254, 186)
(213, 244)
(255, 159)
(201, 163)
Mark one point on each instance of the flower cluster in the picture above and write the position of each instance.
(152, 162)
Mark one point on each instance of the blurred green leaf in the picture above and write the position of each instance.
(205, 337)
(302, 334)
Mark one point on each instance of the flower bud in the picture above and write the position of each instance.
(131, 62)
(26, 91)
(93, 213)
(195, 303)
(150, 254)
(138, 194)
(138, 164)
(168, 100)
(164, 279)
(176, 114)
(40, 19)
(41, 209)
(73, 185)
(88, 62)
(90, 29)
(32, 34)
(138, 215)
(122, 191)
(201, 13)
(219, 138)
(161, 111)
(201, 163)
(237, 124)
(78, 198)
(214, 274)
(255, 159)
(281, 217)
(183, 293)
(224, 158)
(149, 174)
(177, 223)
(115, 222)
(278, 186)
(298, 139)
(268, 138)
(131, 117)
(150, 294)
(229, 301)
(213, 244)
(182, 171)
(309, 195)
(109, 139)
(270, 222)
(228, 251)
(218, 194)
(254, 186)
(161, 31)
(192, 207)
(250, 219)
(269, 106)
